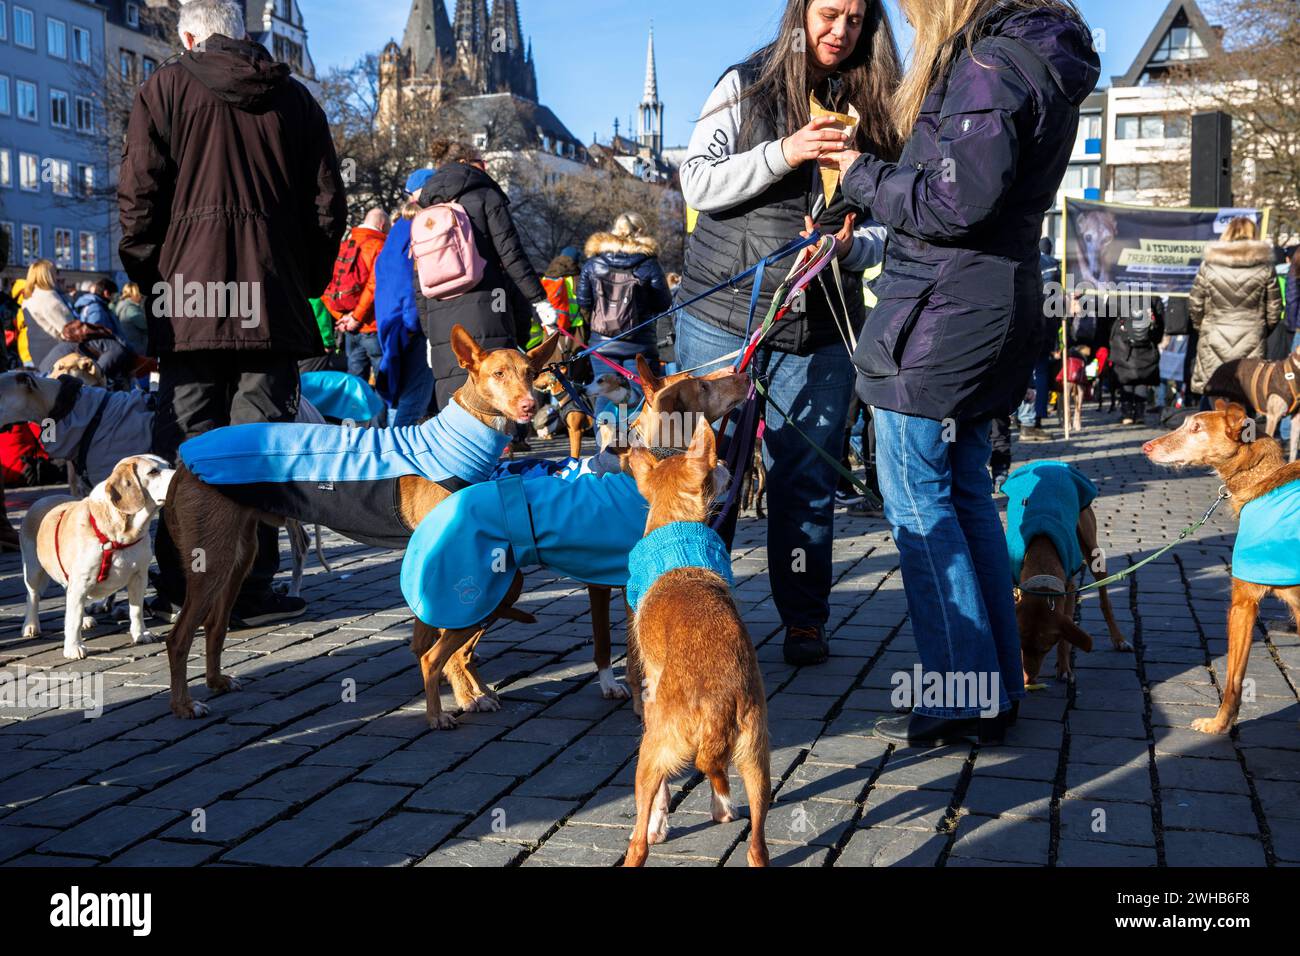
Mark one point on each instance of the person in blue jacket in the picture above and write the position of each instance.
(990, 109)
(405, 380)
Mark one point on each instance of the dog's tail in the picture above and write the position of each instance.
(320, 552)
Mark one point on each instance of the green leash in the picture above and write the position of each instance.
(1182, 536)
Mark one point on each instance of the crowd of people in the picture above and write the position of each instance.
(230, 175)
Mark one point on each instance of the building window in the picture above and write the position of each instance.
(480, 140)
(81, 45)
(126, 65)
(59, 174)
(25, 100)
(4, 96)
(1127, 127)
(1177, 127)
(6, 173)
(63, 248)
(29, 174)
(24, 28)
(1079, 177)
(31, 244)
(1131, 181)
(286, 51)
(1089, 128)
(85, 115)
(133, 15)
(59, 109)
(86, 179)
(4, 35)
(1180, 43)
(8, 229)
(56, 38)
(88, 261)
(147, 66)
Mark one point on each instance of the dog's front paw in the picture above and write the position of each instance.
(611, 688)
(485, 704)
(443, 721)
(223, 684)
(31, 630)
(190, 709)
(88, 622)
(75, 652)
(1121, 645)
(658, 831)
(144, 637)
(1211, 725)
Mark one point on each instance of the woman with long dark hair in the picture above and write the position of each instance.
(753, 176)
(989, 108)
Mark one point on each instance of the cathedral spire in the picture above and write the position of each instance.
(650, 136)
(428, 35)
(651, 73)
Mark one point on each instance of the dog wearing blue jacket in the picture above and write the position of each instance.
(1051, 540)
(373, 485)
(1265, 493)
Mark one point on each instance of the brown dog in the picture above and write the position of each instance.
(576, 421)
(705, 697)
(499, 393)
(1248, 469)
(674, 405)
(1272, 389)
(1044, 621)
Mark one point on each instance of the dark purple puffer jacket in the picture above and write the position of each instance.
(960, 318)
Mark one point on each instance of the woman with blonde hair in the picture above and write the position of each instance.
(989, 108)
(1235, 302)
(47, 310)
(131, 319)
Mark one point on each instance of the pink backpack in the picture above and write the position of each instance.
(442, 245)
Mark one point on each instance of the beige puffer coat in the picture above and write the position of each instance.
(1235, 303)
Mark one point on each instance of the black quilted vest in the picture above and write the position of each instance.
(724, 244)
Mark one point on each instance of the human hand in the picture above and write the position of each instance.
(845, 159)
(843, 238)
(546, 314)
(821, 137)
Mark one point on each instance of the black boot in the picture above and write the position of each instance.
(917, 730)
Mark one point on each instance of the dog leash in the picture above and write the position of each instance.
(1183, 535)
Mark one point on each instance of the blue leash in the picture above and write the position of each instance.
(757, 270)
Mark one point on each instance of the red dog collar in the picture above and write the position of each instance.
(107, 545)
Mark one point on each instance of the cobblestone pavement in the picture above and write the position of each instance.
(293, 770)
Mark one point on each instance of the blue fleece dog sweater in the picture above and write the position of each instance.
(681, 544)
(1045, 498)
(1267, 550)
(455, 444)
(462, 558)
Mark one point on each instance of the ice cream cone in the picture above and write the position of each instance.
(847, 122)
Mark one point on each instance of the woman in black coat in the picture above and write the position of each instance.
(1135, 354)
(990, 108)
(489, 311)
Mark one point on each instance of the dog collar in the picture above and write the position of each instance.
(107, 547)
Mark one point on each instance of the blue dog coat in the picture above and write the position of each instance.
(343, 397)
(1267, 550)
(681, 544)
(463, 557)
(1045, 498)
(455, 444)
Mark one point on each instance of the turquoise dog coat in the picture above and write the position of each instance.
(1267, 550)
(455, 444)
(343, 397)
(681, 544)
(462, 558)
(1045, 498)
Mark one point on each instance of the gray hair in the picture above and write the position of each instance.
(205, 18)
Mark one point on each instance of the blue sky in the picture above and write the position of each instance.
(591, 53)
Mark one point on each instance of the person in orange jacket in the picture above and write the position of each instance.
(360, 336)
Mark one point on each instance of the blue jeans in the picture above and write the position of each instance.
(1033, 413)
(415, 386)
(815, 389)
(956, 572)
(364, 352)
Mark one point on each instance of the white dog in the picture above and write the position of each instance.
(94, 548)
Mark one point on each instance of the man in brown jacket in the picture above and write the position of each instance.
(232, 208)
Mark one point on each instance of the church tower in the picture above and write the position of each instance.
(650, 134)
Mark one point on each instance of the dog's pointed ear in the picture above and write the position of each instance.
(125, 491)
(1076, 635)
(546, 353)
(468, 352)
(639, 463)
(1220, 405)
(1235, 420)
(704, 444)
(650, 382)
